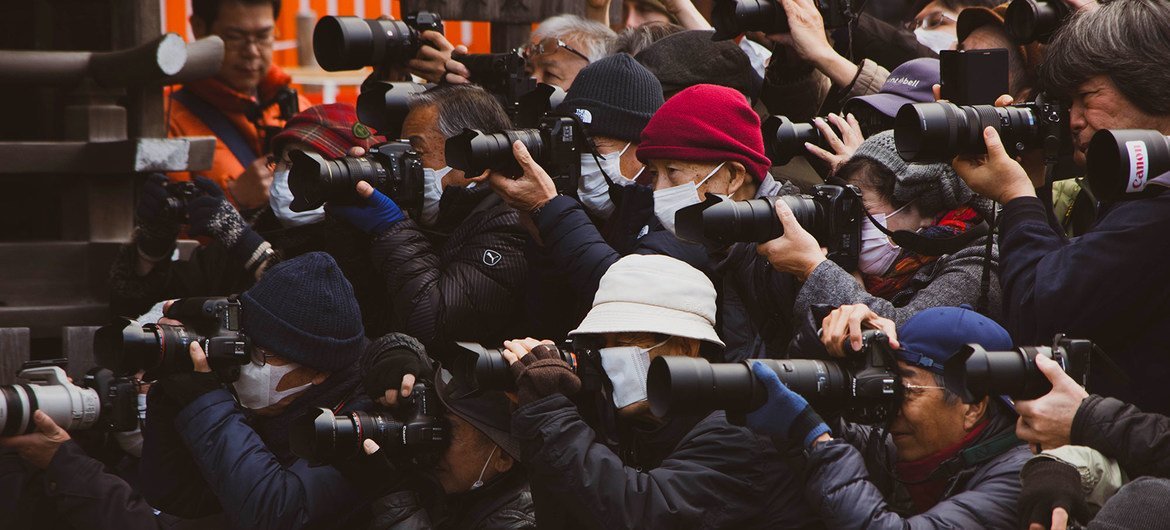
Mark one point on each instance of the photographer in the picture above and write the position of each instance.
(895, 282)
(457, 273)
(1104, 285)
(228, 106)
(239, 252)
(950, 464)
(478, 480)
(209, 452)
(684, 471)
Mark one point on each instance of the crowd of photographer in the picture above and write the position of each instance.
(800, 266)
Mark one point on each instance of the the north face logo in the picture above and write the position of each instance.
(585, 115)
(491, 258)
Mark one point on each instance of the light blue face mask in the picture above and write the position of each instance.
(280, 197)
(432, 194)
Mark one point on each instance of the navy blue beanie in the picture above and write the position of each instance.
(304, 310)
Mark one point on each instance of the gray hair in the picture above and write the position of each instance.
(1127, 41)
(633, 40)
(593, 37)
(463, 107)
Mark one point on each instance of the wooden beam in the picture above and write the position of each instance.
(140, 155)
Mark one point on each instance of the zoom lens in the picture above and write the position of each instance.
(784, 140)
(938, 132)
(324, 437)
(1029, 21)
(314, 181)
(735, 17)
(127, 346)
(49, 391)
(1121, 163)
(753, 221)
(351, 43)
(974, 373)
(679, 384)
(474, 152)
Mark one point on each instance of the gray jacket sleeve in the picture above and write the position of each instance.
(953, 279)
(839, 488)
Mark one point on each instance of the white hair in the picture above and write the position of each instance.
(593, 37)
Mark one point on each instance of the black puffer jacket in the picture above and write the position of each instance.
(464, 280)
(503, 503)
(1139, 441)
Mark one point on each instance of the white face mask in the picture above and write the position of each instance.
(935, 39)
(256, 386)
(877, 251)
(593, 189)
(627, 368)
(131, 441)
(668, 201)
(280, 197)
(432, 192)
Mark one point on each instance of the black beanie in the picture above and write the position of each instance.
(615, 97)
(689, 58)
(304, 310)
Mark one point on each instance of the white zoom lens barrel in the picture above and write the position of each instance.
(70, 406)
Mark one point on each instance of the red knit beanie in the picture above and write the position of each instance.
(706, 123)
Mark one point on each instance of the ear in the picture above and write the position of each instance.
(502, 461)
(975, 413)
(198, 27)
(740, 186)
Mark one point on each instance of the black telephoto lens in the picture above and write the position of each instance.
(679, 384)
(784, 140)
(1029, 21)
(474, 152)
(718, 222)
(1120, 163)
(973, 372)
(350, 43)
(127, 346)
(938, 132)
(735, 17)
(314, 181)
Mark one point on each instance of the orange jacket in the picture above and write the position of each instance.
(182, 122)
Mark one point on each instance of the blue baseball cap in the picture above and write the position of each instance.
(934, 335)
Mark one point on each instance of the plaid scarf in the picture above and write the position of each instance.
(902, 272)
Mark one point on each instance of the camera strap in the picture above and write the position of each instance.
(219, 124)
(930, 246)
(973, 456)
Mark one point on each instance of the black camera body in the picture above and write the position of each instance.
(865, 386)
(556, 145)
(1121, 164)
(127, 347)
(416, 436)
(1029, 21)
(102, 401)
(350, 43)
(735, 17)
(180, 194)
(832, 214)
(974, 373)
(486, 369)
(394, 168)
(384, 105)
(504, 75)
(938, 132)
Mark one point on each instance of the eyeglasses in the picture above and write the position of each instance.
(931, 21)
(241, 41)
(260, 356)
(546, 47)
(919, 389)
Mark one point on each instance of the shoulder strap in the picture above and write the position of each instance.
(219, 124)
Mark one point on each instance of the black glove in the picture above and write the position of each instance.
(185, 387)
(390, 358)
(1048, 484)
(212, 215)
(542, 373)
(157, 228)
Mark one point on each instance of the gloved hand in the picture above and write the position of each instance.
(786, 415)
(212, 215)
(542, 373)
(387, 361)
(377, 213)
(1048, 484)
(157, 230)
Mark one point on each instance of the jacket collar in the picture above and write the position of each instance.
(225, 98)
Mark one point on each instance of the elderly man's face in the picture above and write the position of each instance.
(1097, 105)
(421, 129)
(927, 422)
(470, 453)
(555, 64)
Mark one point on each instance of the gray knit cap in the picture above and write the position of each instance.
(935, 187)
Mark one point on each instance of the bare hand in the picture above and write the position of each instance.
(431, 61)
(250, 190)
(39, 447)
(846, 324)
(1047, 421)
(806, 31)
(517, 348)
(995, 175)
(198, 358)
(843, 146)
(797, 251)
(1059, 521)
(529, 191)
(457, 72)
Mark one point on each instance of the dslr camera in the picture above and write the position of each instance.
(384, 105)
(974, 373)
(393, 168)
(556, 144)
(1029, 21)
(865, 386)
(832, 214)
(180, 194)
(784, 140)
(416, 436)
(938, 132)
(505, 76)
(101, 401)
(736, 17)
(127, 346)
(486, 368)
(1121, 164)
(350, 43)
